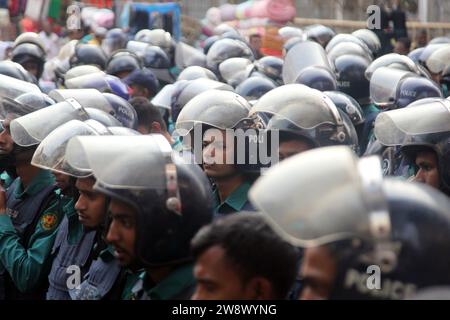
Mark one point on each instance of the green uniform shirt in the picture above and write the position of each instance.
(444, 90)
(29, 265)
(367, 109)
(176, 283)
(131, 279)
(235, 201)
(6, 179)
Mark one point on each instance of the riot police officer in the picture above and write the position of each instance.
(79, 249)
(205, 120)
(356, 227)
(422, 133)
(304, 119)
(153, 213)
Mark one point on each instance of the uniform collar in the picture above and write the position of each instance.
(176, 282)
(235, 201)
(42, 180)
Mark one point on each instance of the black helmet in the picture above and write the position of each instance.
(254, 88)
(289, 32)
(348, 105)
(429, 49)
(123, 61)
(187, 56)
(307, 63)
(320, 34)
(235, 70)
(124, 112)
(35, 99)
(224, 49)
(438, 60)
(351, 48)
(15, 70)
(50, 154)
(29, 52)
(416, 88)
(195, 72)
(72, 104)
(396, 61)
(305, 112)
(88, 54)
(172, 199)
(367, 224)
(216, 108)
(415, 54)
(186, 90)
(156, 37)
(319, 78)
(271, 67)
(79, 71)
(158, 62)
(345, 38)
(421, 126)
(12, 88)
(155, 57)
(289, 44)
(29, 37)
(115, 39)
(209, 42)
(350, 77)
(370, 38)
(23, 104)
(393, 88)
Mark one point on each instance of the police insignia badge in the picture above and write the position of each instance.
(48, 221)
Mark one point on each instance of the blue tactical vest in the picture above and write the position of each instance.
(68, 255)
(99, 280)
(25, 214)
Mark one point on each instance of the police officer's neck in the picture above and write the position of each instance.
(27, 173)
(156, 275)
(226, 186)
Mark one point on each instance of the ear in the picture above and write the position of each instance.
(156, 127)
(261, 289)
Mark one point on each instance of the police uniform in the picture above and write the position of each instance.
(103, 280)
(178, 285)
(370, 113)
(27, 234)
(72, 247)
(235, 202)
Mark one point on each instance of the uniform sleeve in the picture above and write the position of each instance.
(27, 267)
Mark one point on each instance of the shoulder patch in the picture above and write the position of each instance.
(49, 221)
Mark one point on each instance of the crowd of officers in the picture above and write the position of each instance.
(117, 181)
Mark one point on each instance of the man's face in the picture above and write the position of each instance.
(400, 48)
(290, 148)
(6, 141)
(122, 232)
(31, 67)
(255, 43)
(90, 205)
(218, 279)
(216, 153)
(62, 181)
(422, 39)
(318, 272)
(139, 91)
(428, 172)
